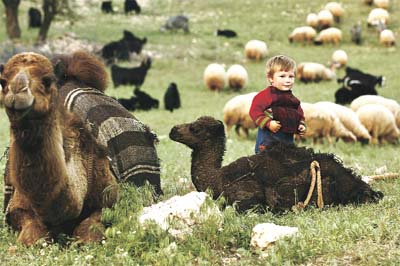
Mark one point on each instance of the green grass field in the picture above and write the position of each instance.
(362, 235)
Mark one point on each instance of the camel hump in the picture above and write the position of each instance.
(82, 67)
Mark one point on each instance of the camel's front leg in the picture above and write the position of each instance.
(91, 229)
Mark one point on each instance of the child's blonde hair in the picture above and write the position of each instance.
(279, 63)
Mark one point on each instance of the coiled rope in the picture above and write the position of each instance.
(315, 172)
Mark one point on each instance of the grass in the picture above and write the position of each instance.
(351, 235)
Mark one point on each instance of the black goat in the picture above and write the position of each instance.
(145, 101)
(106, 7)
(131, 5)
(226, 33)
(35, 18)
(171, 97)
(130, 104)
(133, 76)
(122, 48)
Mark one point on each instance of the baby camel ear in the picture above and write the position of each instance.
(60, 69)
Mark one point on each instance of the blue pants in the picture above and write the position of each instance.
(266, 138)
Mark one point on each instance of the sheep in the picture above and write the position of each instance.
(214, 77)
(348, 118)
(35, 18)
(134, 75)
(129, 104)
(106, 7)
(314, 72)
(391, 104)
(325, 19)
(382, 3)
(340, 57)
(175, 23)
(226, 33)
(171, 97)
(255, 50)
(236, 112)
(303, 34)
(380, 123)
(386, 38)
(329, 35)
(324, 123)
(237, 77)
(356, 32)
(131, 5)
(312, 20)
(145, 101)
(376, 16)
(336, 9)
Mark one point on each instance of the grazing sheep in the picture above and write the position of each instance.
(324, 123)
(325, 19)
(255, 50)
(340, 57)
(129, 104)
(386, 38)
(144, 100)
(226, 33)
(175, 23)
(336, 9)
(356, 32)
(236, 113)
(376, 16)
(276, 180)
(106, 7)
(237, 77)
(172, 99)
(131, 5)
(314, 72)
(329, 35)
(391, 104)
(312, 20)
(60, 174)
(303, 34)
(348, 118)
(214, 77)
(382, 3)
(380, 123)
(35, 18)
(133, 76)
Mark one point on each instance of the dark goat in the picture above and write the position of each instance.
(355, 32)
(145, 101)
(345, 95)
(176, 22)
(106, 7)
(131, 5)
(35, 18)
(226, 33)
(122, 48)
(129, 104)
(130, 76)
(171, 97)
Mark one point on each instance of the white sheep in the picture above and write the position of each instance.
(382, 3)
(348, 118)
(378, 15)
(386, 38)
(340, 57)
(391, 104)
(380, 123)
(329, 35)
(310, 71)
(325, 19)
(303, 34)
(237, 77)
(215, 76)
(324, 123)
(256, 50)
(312, 20)
(336, 9)
(236, 113)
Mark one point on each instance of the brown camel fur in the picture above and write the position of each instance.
(61, 176)
(277, 180)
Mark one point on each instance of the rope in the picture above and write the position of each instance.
(90, 169)
(315, 171)
(383, 176)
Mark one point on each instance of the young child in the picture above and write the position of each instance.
(275, 110)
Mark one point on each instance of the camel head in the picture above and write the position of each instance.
(27, 86)
(204, 130)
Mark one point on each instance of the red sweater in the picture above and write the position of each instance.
(273, 104)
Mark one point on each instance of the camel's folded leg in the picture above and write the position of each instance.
(21, 218)
(90, 229)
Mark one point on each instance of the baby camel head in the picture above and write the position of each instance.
(27, 86)
(204, 130)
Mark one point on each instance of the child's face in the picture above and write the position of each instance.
(282, 80)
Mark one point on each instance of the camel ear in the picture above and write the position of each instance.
(218, 128)
(47, 81)
(1, 69)
(60, 69)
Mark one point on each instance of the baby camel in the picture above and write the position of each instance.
(277, 180)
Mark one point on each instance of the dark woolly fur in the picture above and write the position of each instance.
(83, 67)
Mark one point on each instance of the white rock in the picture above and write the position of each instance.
(263, 235)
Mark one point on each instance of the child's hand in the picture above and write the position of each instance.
(302, 130)
(274, 126)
